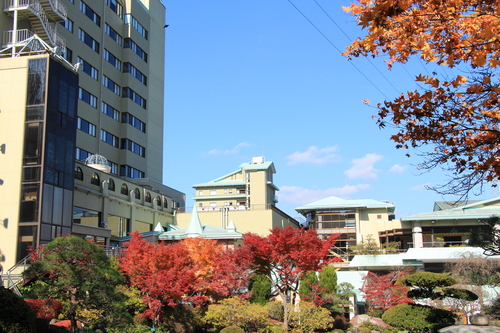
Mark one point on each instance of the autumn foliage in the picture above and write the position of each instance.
(46, 308)
(380, 292)
(458, 115)
(192, 271)
(285, 256)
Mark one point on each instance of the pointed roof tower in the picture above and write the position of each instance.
(194, 229)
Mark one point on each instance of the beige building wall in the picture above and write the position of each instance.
(13, 72)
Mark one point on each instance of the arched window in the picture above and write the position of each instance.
(165, 203)
(95, 179)
(124, 189)
(111, 185)
(158, 201)
(148, 197)
(137, 194)
(78, 173)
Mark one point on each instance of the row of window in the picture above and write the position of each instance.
(134, 121)
(111, 85)
(89, 12)
(131, 94)
(91, 100)
(129, 68)
(129, 19)
(113, 34)
(95, 180)
(125, 170)
(130, 44)
(133, 147)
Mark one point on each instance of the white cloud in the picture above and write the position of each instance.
(313, 155)
(420, 187)
(364, 167)
(302, 196)
(232, 151)
(396, 168)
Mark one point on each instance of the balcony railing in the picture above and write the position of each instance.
(22, 34)
(441, 244)
(219, 208)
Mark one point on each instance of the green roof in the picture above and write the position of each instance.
(339, 203)
(473, 210)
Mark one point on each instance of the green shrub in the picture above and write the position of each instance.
(377, 313)
(16, 315)
(418, 318)
(232, 329)
(308, 317)
(275, 310)
(364, 329)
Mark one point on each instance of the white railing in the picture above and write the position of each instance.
(22, 34)
(58, 7)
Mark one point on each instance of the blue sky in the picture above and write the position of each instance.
(266, 78)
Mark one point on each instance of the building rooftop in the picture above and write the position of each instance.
(339, 203)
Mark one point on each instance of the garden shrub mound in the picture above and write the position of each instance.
(418, 318)
(16, 315)
(232, 329)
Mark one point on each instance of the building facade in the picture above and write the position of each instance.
(81, 80)
(353, 220)
(246, 196)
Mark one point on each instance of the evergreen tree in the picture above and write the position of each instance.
(260, 288)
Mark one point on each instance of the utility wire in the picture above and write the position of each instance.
(331, 43)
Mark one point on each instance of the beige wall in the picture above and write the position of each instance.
(13, 73)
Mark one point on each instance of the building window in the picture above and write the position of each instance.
(127, 118)
(112, 60)
(87, 97)
(129, 19)
(158, 201)
(130, 44)
(110, 111)
(129, 68)
(68, 24)
(111, 185)
(148, 197)
(116, 7)
(95, 179)
(213, 204)
(86, 127)
(113, 34)
(88, 69)
(124, 189)
(81, 155)
(68, 55)
(213, 192)
(379, 217)
(89, 41)
(113, 168)
(90, 13)
(109, 138)
(165, 203)
(128, 171)
(133, 147)
(78, 173)
(129, 93)
(111, 85)
(137, 194)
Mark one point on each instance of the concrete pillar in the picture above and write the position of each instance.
(418, 241)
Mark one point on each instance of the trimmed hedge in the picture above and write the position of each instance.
(418, 318)
(16, 315)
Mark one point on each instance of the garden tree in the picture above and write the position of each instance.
(458, 115)
(418, 318)
(193, 270)
(260, 289)
(77, 272)
(368, 246)
(475, 269)
(328, 279)
(309, 289)
(164, 274)
(381, 292)
(46, 308)
(487, 237)
(285, 256)
(434, 286)
(340, 301)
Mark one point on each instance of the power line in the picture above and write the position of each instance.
(331, 43)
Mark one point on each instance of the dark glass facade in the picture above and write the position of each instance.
(49, 154)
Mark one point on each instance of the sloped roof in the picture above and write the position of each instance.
(482, 209)
(196, 229)
(339, 203)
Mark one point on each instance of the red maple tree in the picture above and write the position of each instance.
(380, 292)
(46, 308)
(285, 255)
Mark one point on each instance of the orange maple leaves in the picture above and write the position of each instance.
(458, 116)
